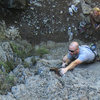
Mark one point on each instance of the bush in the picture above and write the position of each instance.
(18, 50)
(8, 65)
(26, 65)
(42, 51)
(22, 51)
(6, 82)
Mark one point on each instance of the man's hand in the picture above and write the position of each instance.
(65, 61)
(62, 71)
(64, 64)
(70, 66)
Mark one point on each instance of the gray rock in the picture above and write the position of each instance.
(20, 92)
(8, 50)
(86, 9)
(53, 63)
(7, 97)
(29, 61)
(2, 55)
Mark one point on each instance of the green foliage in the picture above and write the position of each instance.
(18, 50)
(6, 82)
(42, 51)
(7, 69)
(11, 65)
(31, 52)
(26, 65)
(22, 51)
(2, 37)
(8, 65)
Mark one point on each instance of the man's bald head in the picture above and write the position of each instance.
(74, 45)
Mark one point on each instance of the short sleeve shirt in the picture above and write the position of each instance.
(85, 54)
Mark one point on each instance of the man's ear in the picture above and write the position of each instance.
(78, 50)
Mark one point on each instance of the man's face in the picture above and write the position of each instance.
(95, 13)
(73, 51)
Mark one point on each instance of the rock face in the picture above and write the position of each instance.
(8, 50)
(39, 83)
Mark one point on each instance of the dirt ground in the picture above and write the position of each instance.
(48, 21)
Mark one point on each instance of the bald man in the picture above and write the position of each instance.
(77, 55)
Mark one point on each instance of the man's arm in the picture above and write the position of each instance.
(66, 61)
(70, 66)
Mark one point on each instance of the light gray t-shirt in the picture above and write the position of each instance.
(85, 54)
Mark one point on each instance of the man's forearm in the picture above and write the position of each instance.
(71, 66)
(65, 62)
